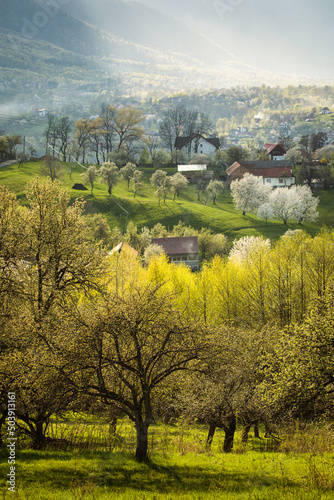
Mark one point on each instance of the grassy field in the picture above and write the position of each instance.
(144, 210)
(301, 468)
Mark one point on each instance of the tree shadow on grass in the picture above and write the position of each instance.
(119, 471)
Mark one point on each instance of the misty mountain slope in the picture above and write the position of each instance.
(148, 27)
(145, 48)
(75, 35)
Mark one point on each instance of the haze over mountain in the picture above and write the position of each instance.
(285, 36)
(179, 44)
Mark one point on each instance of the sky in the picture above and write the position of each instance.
(289, 36)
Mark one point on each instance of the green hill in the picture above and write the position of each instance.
(144, 210)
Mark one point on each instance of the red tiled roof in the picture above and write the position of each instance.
(270, 147)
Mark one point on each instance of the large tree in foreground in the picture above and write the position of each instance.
(126, 347)
(46, 260)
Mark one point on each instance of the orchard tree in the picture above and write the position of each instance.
(245, 247)
(214, 188)
(200, 183)
(283, 204)
(99, 228)
(223, 385)
(265, 212)
(126, 347)
(51, 167)
(90, 176)
(63, 261)
(307, 208)
(136, 181)
(106, 119)
(55, 262)
(109, 175)
(22, 158)
(162, 182)
(249, 193)
(128, 171)
(296, 203)
(178, 183)
(295, 156)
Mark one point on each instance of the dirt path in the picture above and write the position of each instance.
(7, 163)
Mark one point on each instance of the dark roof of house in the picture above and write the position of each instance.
(180, 142)
(270, 147)
(273, 173)
(179, 245)
(267, 164)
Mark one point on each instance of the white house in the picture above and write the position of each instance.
(43, 112)
(197, 144)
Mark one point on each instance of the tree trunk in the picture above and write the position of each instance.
(112, 426)
(211, 433)
(245, 432)
(38, 437)
(256, 430)
(142, 441)
(2, 422)
(229, 430)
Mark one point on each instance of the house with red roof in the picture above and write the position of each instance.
(275, 151)
(277, 173)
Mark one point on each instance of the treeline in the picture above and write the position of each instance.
(247, 339)
(8, 146)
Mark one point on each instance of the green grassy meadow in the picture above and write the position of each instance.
(144, 210)
(301, 466)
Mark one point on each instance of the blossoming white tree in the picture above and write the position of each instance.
(249, 193)
(296, 203)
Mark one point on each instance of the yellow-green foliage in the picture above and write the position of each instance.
(277, 283)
